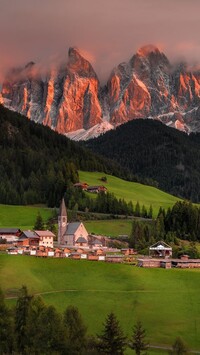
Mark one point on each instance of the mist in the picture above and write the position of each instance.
(107, 32)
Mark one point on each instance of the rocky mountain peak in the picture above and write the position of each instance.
(147, 50)
(71, 99)
(77, 63)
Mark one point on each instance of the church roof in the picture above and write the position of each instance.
(81, 240)
(63, 211)
(72, 227)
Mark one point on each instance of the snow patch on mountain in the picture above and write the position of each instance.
(93, 132)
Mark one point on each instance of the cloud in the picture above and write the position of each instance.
(108, 31)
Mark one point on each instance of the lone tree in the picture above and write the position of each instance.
(112, 340)
(138, 340)
(179, 347)
(39, 223)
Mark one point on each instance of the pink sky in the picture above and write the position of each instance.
(108, 31)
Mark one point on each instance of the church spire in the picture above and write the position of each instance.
(62, 222)
(63, 211)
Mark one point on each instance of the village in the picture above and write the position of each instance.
(75, 242)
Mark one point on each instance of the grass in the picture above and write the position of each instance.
(166, 301)
(21, 216)
(113, 227)
(131, 191)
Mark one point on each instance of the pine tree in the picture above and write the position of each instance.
(21, 318)
(39, 223)
(150, 212)
(138, 340)
(112, 340)
(75, 330)
(6, 331)
(179, 347)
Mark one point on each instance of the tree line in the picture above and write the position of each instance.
(181, 222)
(35, 328)
(107, 203)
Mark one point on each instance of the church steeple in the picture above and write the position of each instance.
(62, 222)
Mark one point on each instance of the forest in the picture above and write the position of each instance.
(37, 164)
(165, 157)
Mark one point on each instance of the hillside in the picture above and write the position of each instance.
(37, 164)
(131, 191)
(166, 301)
(152, 150)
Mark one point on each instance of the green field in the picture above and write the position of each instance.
(131, 191)
(113, 227)
(21, 216)
(166, 301)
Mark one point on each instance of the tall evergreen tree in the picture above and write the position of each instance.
(138, 340)
(21, 318)
(112, 340)
(6, 329)
(39, 223)
(75, 330)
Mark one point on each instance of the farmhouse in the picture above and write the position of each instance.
(10, 234)
(45, 238)
(184, 263)
(28, 238)
(82, 185)
(160, 249)
(97, 189)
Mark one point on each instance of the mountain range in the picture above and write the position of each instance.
(70, 100)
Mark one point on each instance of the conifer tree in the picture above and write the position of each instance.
(138, 340)
(6, 331)
(39, 223)
(75, 330)
(179, 347)
(112, 340)
(21, 318)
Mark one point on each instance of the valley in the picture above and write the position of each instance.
(166, 301)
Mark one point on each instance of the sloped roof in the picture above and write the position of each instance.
(63, 211)
(72, 227)
(160, 245)
(81, 240)
(9, 230)
(46, 233)
(97, 241)
(29, 234)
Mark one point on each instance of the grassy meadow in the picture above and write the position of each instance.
(21, 216)
(131, 191)
(166, 301)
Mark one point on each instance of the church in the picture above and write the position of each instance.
(72, 234)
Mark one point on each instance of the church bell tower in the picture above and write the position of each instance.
(62, 222)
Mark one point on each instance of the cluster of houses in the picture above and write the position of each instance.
(160, 256)
(93, 189)
(73, 242)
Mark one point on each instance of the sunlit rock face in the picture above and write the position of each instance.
(66, 101)
(69, 97)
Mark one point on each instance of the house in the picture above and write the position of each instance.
(97, 189)
(46, 238)
(82, 185)
(72, 234)
(10, 234)
(160, 249)
(28, 238)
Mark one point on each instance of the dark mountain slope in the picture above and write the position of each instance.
(152, 150)
(37, 164)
